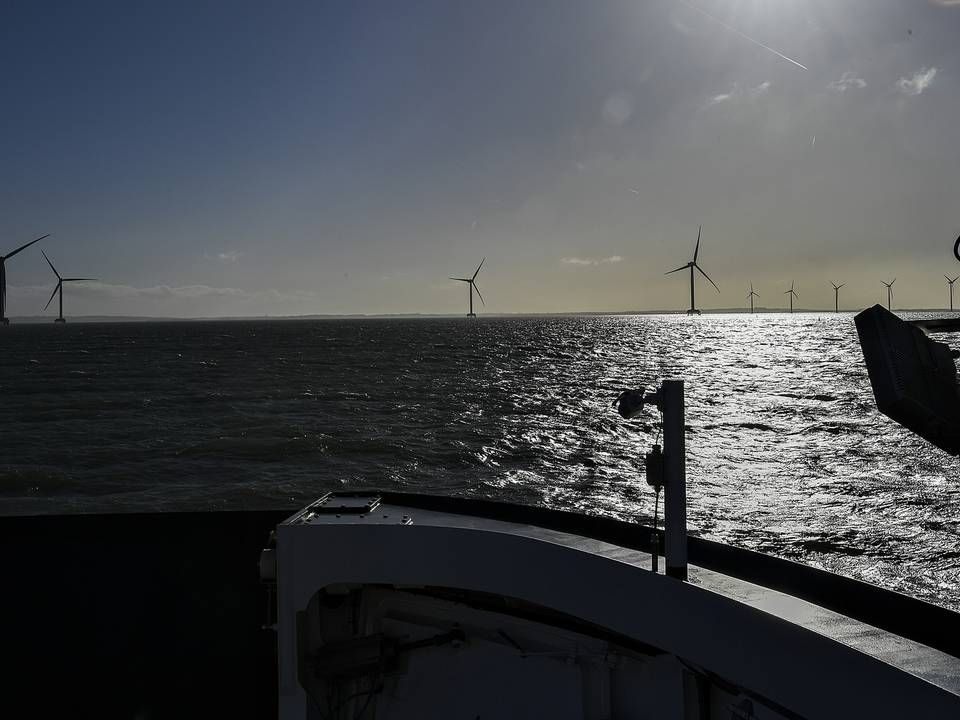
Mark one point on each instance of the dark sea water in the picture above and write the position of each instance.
(787, 453)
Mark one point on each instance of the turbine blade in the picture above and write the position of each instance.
(50, 264)
(684, 267)
(461, 279)
(478, 292)
(75, 279)
(478, 269)
(706, 276)
(24, 247)
(697, 249)
(52, 296)
(947, 279)
(840, 285)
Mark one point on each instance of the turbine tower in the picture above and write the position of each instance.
(59, 287)
(3, 278)
(950, 283)
(792, 293)
(751, 296)
(836, 296)
(471, 281)
(889, 291)
(692, 265)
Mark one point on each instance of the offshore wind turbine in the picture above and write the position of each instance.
(836, 296)
(792, 293)
(3, 278)
(950, 283)
(751, 296)
(692, 265)
(471, 281)
(889, 291)
(59, 287)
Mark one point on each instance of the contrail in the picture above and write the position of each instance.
(745, 37)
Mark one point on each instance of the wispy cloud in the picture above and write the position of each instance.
(227, 256)
(591, 261)
(169, 292)
(918, 82)
(740, 93)
(946, 3)
(618, 108)
(722, 97)
(846, 82)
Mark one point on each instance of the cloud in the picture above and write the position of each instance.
(227, 256)
(618, 108)
(739, 93)
(187, 292)
(166, 292)
(918, 82)
(847, 81)
(591, 261)
(946, 3)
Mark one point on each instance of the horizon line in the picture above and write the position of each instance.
(39, 319)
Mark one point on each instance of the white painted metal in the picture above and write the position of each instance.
(816, 668)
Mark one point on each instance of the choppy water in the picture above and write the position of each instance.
(787, 453)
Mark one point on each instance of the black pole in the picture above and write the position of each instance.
(675, 478)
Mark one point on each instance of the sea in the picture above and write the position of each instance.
(786, 451)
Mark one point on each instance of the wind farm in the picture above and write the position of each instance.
(3, 278)
(59, 287)
(692, 265)
(472, 283)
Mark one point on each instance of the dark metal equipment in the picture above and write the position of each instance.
(666, 469)
(914, 378)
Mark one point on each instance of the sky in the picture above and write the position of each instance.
(234, 158)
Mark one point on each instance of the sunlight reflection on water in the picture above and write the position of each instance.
(787, 453)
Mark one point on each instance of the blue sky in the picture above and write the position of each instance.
(286, 158)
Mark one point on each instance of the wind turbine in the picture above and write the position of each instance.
(3, 278)
(59, 287)
(473, 286)
(950, 283)
(792, 293)
(836, 296)
(693, 265)
(889, 291)
(751, 296)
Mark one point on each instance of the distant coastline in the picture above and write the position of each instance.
(40, 320)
